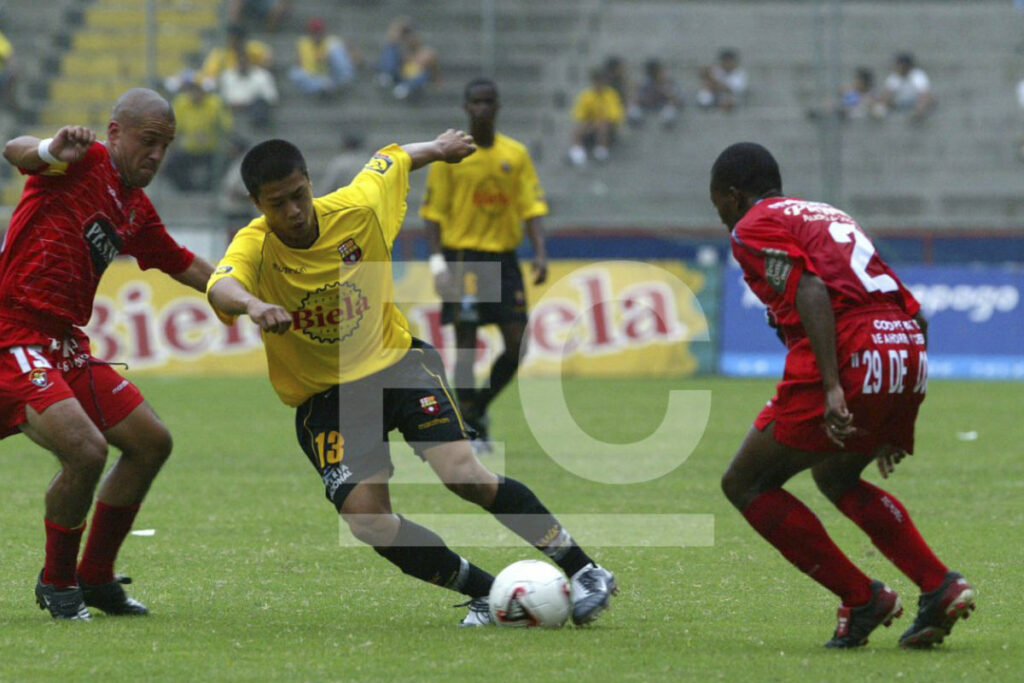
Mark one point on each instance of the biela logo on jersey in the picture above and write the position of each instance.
(331, 313)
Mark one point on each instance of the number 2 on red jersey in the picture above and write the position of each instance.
(863, 252)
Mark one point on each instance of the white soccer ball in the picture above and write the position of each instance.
(530, 593)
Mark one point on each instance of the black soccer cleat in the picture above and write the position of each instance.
(856, 623)
(111, 598)
(938, 611)
(63, 603)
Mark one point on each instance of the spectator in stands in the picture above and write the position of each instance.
(203, 121)
(724, 84)
(250, 89)
(8, 76)
(344, 165)
(598, 112)
(268, 13)
(223, 58)
(858, 100)
(407, 65)
(233, 201)
(618, 77)
(907, 88)
(658, 96)
(325, 64)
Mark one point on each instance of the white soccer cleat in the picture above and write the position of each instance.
(592, 588)
(479, 613)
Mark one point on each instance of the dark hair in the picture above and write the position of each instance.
(652, 67)
(728, 53)
(748, 167)
(477, 83)
(906, 59)
(269, 161)
(867, 75)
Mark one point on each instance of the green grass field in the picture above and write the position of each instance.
(246, 578)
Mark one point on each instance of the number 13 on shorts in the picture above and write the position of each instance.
(330, 448)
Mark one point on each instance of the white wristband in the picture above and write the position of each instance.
(44, 152)
(437, 264)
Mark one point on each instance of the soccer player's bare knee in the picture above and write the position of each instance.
(372, 526)
(837, 475)
(67, 432)
(462, 472)
(142, 438)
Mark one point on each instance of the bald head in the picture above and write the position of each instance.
(139, 104)
(140, 130)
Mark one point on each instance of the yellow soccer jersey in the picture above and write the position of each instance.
(599, 105)
(339, 291)
(482, 201)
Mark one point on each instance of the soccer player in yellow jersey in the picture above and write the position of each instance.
(315, 275)
(474, 215)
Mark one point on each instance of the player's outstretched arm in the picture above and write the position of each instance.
(68, 146)
(197, 275)
(451, 146)
(228, 296)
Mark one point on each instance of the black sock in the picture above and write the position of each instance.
(516, 507)
(502, 372)
(421, 553)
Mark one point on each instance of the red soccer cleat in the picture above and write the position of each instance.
(938, 611)
(855, 623)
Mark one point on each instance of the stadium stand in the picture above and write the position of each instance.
(957, 169)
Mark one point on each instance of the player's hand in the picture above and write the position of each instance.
(774, 324)
(887, 458)
(540, 269)
(455, 145)
(269, 317)
(71, 143)
(838, 418)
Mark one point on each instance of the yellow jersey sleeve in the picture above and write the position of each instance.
(241, 261)
(530, 199)
(383, 185)
(583, 108)
(437, 196)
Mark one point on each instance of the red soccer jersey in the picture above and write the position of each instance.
(781, 238)
(71, 222)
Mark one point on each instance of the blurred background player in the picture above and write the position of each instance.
(474, 214)
(849, 397)
(340, 352)
(83, 205)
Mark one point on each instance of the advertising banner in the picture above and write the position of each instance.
(591, 318)
(976, 326)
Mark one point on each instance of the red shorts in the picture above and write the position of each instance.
(38, 371)
(883, 368)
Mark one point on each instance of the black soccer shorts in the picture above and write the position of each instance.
(344, 430)
(483, 277)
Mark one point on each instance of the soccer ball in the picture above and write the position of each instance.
(530, 593)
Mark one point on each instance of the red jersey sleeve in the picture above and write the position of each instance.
(770, 254)
(152, 247)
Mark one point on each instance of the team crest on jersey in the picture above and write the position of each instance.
(331, 313)
(429, 405)
(505, 166)
(39, 378)
(777, 268)
(380, 163)
(350, 251)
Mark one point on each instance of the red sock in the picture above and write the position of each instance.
(110, 525)
(61, 553)
(797, 533)
(885, 520)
